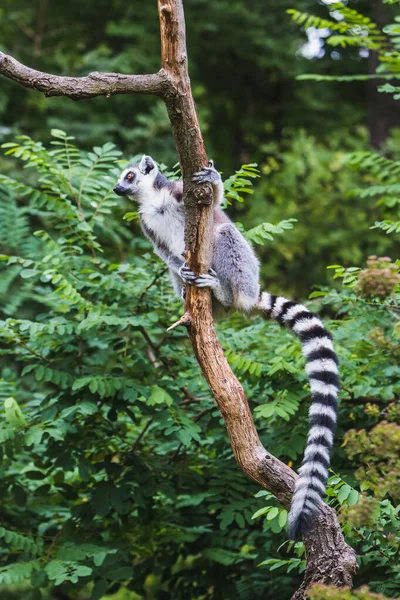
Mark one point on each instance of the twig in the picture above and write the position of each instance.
(32, 351)
(54, 540)
(184, 320)
(156, 278)
(141, 435)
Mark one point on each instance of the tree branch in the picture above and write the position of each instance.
(80, 88)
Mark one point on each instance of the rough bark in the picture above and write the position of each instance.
(329, 559)
(80, 88)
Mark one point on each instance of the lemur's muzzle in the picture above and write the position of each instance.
(120, 190)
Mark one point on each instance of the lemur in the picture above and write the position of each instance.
(234, 281)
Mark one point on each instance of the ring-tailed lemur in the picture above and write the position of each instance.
(234, 280)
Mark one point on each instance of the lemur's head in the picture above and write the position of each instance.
(136, 179)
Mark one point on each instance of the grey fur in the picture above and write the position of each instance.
(234, 281)
(175, 263)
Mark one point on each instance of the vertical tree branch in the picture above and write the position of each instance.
(330, 560)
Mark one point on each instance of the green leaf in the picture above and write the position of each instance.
(83, 226)
(62, 571)
(14, 414)
(221, 556)
(283, 517)
(261, 511)
(272, 513)
(27, 273)
(99, 589)
(35, 475)
(353, 498)
(159, 396)
(344, 492)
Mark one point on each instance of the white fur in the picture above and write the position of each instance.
(295, 310)
(317, 431)
(265, 302)
(300, 495)
(278, 306)
(244, 302)
(306, 324)
(321, 364)
(311, 467)
(319, 387)
(317, 344)
(313, 449)
(307, 480)
(169, 227)
(321, 409)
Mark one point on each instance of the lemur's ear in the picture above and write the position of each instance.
(146, 164)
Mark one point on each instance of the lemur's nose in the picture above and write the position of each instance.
(119, 190)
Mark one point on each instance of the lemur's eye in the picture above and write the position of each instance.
(130, 176)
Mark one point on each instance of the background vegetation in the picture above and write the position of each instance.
(116, 476)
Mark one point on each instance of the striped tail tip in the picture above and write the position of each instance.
(306, 504)
(301, 518)
(322, 370)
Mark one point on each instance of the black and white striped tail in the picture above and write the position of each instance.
(322, 370)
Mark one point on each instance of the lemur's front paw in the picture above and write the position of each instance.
(207, 174)
(209, 279)
(187, 275)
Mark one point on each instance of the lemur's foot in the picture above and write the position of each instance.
(207, 174)
(209, 279)
(187, 275)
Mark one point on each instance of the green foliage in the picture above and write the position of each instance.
(310, 181)
(352, 29)
(239, 182)
(355, 29)
(263, 232)
(324, 592)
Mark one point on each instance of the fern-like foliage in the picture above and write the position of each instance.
(384, 177)
(21, 542)
(353, 29)
(388, 226)
(266, 231)
(243, 364)
(240, 182)
(75, 185)
(114, 460)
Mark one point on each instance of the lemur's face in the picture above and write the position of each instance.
(137, 178)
